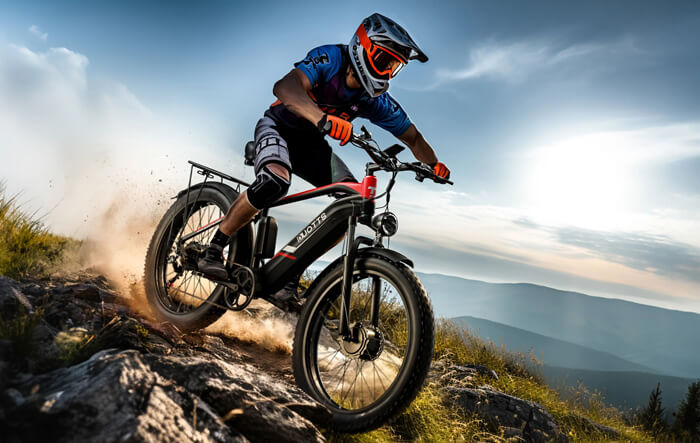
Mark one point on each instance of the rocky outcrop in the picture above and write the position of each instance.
(130, 396)
(517, 417)
(97, 372)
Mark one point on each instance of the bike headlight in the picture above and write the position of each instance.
(386, 224)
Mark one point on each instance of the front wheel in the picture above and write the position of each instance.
(369, 379)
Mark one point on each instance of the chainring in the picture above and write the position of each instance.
(243, 280)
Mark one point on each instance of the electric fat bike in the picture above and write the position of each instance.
(364, 339)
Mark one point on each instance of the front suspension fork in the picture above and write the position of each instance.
(348, 265)
(351, 246)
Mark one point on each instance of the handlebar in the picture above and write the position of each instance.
(390, 163)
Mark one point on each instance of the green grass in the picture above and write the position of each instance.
(458, 346)
(26, 245)
(19, 330)
(431, 419)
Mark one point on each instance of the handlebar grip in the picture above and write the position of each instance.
(427, 172)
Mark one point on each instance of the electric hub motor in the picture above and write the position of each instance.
(367, 345)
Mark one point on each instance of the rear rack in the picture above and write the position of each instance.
(208, 172)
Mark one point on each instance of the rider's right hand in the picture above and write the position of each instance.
(336, 127)
(441, 170)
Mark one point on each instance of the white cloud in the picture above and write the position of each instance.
(34, 29)
(515, 61)
(87, 152)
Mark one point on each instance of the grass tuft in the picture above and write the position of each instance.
(26, 246)
(19, 330)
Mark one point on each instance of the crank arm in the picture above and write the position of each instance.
(228, 284)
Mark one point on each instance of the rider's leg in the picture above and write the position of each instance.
(272, 169)
(271, 184)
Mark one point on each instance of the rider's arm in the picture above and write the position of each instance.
(293, 90)
(418, 145)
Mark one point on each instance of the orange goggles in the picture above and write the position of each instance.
(385, 63)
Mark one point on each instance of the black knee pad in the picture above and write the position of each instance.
(267, 188)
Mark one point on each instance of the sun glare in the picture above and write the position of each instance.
(584, 181)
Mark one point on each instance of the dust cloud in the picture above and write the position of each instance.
(267, 327)
(101, 166)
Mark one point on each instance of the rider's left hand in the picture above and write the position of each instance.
(441, 170)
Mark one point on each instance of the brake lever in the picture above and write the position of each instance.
(365, 133)
(426, 172)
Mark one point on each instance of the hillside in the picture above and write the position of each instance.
(82, 361)
(657, 338)
(622, 383)
(79, 364)
(550, 351)
(623, 389)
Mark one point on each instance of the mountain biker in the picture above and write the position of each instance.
(333, 84)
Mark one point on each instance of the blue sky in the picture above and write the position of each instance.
(572, 129)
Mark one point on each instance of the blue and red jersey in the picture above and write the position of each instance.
(325, 67)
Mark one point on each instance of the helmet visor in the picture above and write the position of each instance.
(385, 63)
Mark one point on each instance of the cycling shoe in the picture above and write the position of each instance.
(212, 264)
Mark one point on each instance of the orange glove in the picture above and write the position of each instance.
(336, 127)
(441, 170)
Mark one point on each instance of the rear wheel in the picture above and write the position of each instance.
(176, 291)
(370, 379)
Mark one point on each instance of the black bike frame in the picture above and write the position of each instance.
(314, 240)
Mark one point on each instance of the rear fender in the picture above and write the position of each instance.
(225, 189)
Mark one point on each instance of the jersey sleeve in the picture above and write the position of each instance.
(386, 113)
(321, 63)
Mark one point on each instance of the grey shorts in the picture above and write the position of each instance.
(305, 153)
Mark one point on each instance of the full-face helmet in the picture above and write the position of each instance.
(378, 51)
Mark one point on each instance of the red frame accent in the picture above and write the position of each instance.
(285, 255)
(367, 188)
(208, 224)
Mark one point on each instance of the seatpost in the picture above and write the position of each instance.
(348, 266)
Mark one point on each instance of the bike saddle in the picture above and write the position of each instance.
(250, 153)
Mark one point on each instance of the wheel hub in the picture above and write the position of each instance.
(365, 342)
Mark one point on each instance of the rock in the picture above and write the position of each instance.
(127, 396)
(593, 428)
(6, 354)
(12, 398)
(12, 301)
(461, 375)
(86, 292)
(33, 290)
(507, 411)
(92, 293)
(479, 369)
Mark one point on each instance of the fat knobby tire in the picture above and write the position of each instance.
(416, 366)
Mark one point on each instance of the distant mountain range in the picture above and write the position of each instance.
(634, 336)
(551, 351)
(623, 383)
(625, 389)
